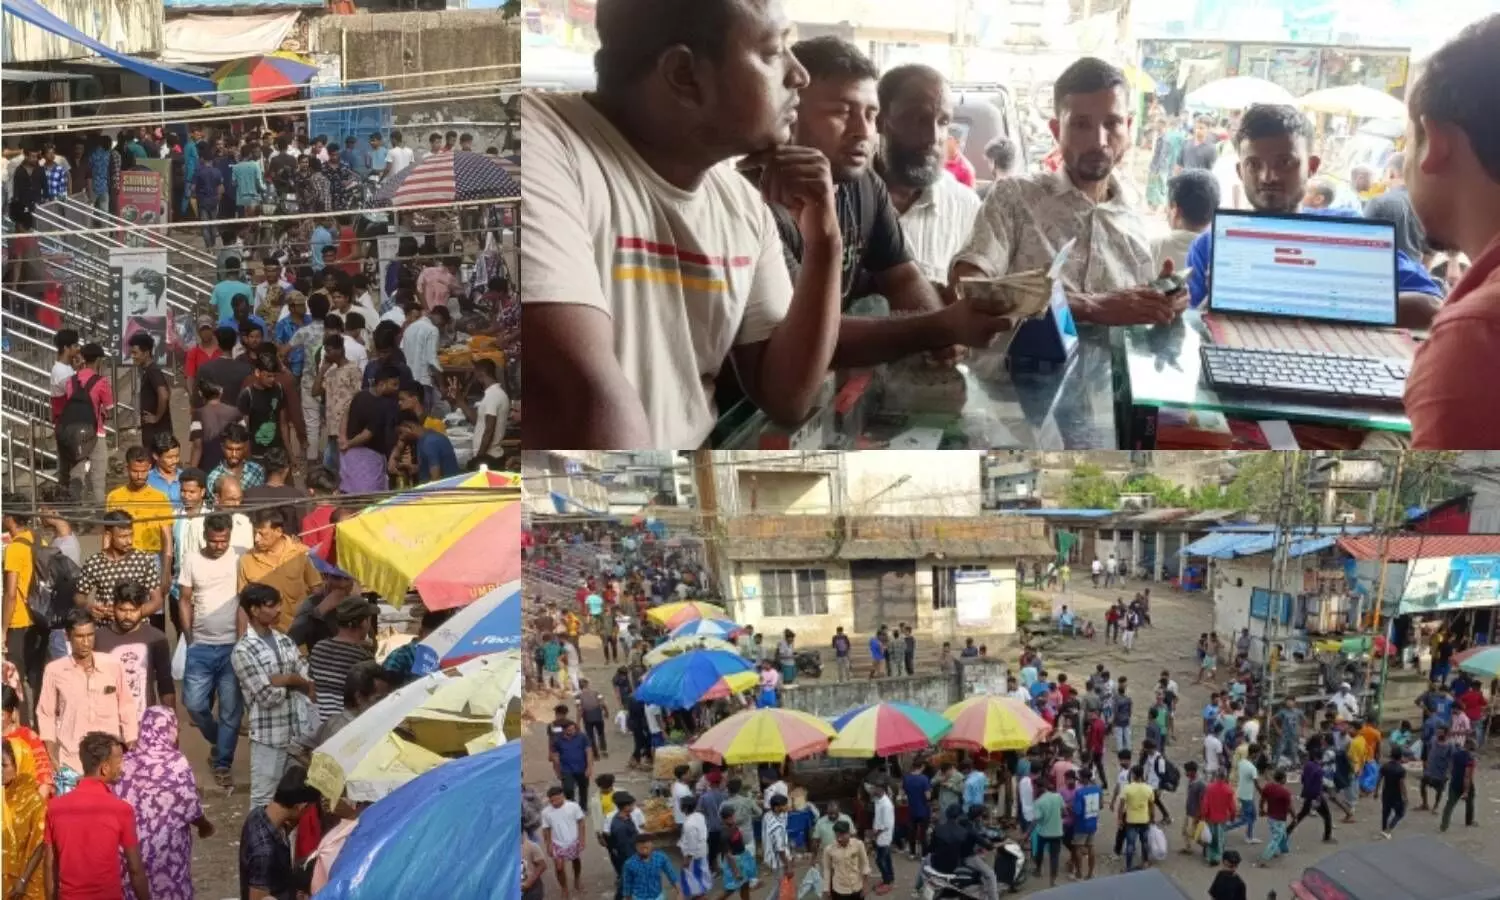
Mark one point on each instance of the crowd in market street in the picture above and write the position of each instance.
(854, 191)
(1064, 774)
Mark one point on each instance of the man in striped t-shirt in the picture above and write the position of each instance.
(330, 661)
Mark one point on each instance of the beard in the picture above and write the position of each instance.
(914, 168)
(1095, 165)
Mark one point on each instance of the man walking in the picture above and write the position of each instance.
(1461, 784)
(272, 676)
(593, 712)
(841, 653)
(571, 762)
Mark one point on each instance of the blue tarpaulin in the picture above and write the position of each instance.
(1229, 545)
(36, 14)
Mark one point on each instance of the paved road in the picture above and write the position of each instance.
(1179, 619)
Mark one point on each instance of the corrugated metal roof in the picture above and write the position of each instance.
(1231, 545)
(1427, 546)
(1212, 515)
(1061, 513)
(1157, 516)
(1336, 530)
(24, 76)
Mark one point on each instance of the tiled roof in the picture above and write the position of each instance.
(1422, 546)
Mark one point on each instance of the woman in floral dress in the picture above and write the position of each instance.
(157, 780)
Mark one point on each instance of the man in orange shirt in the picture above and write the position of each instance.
(1453, 177)
(281, 563)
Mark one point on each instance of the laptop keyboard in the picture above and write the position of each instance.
(1306, 374)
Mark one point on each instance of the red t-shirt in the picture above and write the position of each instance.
(1472, 701)
(1278, 801)
(1448, 393)
(1098, 730)
(1218, 803)
(87, 828)
(318, 533)
(197, 356)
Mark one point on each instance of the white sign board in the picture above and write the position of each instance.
(973, 594)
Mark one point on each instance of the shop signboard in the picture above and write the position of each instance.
(1451, 582)
(140, 202)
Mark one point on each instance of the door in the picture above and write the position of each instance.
(885, 593)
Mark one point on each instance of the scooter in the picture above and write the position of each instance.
(967, 884)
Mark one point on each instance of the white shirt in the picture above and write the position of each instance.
(694, 840)
(682, 276)
(215, 594)
(885, 821)
(1027, 792)
(938, 224)
(1345, 704)
(398, 158)
(366, 308)
(1213, 753)
(563, 821)
(1021, 694)
(1251, 729)
(493, 403)
(653, 718)
(1174, 246)
(1153, 777)
(355, 352)
(1097, 567)
(680, 792)
(62, 373)
(420, 345)
(779, 787)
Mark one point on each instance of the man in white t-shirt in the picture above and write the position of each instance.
(398, 157)
(68, 345)
(562, 836)
(208, 601)
(1213, 753)
(491, 413)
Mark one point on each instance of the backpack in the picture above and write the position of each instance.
(54, 584)
(76, 421)
(1167, 774)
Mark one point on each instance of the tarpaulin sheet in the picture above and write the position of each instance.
(36, 14)
(212, 39)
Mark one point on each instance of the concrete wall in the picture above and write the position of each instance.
(826, 697)
(914, 483)
(785, 493)
(1233, 582)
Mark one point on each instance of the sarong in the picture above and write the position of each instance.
(362, 471)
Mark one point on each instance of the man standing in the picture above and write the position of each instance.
(1124, 706)
(883, 831)
(1394, 205)
(562, 837)
(593, 712)
(279, 563)
(1461, 784)
(419, 342)
(1201, 152)
(89, 829)
(274, 681)
(846, 866)
(141, 650)
(82, 692)
(841, 653)
(570, 760)
(211, 624)
(26, 641)
(117, 562)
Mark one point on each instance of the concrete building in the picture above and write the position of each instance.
(1481, 469)
(856, 483)
(1147, 544)
(564, 482)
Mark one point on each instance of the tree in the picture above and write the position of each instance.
(1168, 494)
(1089, 488)
(1256, 487)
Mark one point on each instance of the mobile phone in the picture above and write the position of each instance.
(1171, 284)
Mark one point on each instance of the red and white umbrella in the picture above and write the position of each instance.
(450, 177)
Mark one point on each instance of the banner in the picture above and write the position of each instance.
(980, 601)
(138, 289)
(1451, 582)
(140, 202)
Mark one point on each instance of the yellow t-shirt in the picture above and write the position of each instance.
(150, 509)
(19, 559)
(1137, 798)
(607, 803)
(1359, 751)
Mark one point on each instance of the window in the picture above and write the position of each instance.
(794, 592)
(945, 585)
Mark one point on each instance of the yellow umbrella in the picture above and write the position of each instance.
(678, 645)
(670, 615)
(993, 724)
(763, 736)
(468, 707)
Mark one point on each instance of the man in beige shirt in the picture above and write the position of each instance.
(845, 864)
(279, 562)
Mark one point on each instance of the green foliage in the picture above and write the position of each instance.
(1168, 494)
(1024, 599)
(1089, 488)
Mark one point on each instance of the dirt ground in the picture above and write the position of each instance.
(1179, 618)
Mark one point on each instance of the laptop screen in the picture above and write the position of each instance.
(1310, 267)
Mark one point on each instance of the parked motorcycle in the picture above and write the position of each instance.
(809, 663)
(1010, 867)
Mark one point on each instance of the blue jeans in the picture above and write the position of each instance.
(1135, 834)
(1122, 737)
(1247, 819)
(883, 863)
(208, 674)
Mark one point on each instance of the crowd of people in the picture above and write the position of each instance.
(849, 197)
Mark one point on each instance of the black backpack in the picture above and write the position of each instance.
(1167, 774)
(76, 422)
(54, 584)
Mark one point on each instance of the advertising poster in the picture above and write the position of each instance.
(138, 288)
(140, 202)
(1451, 582)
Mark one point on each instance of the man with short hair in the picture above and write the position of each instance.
(1202, 151)
(89, 829)
(419, 342)
(279, 562)
(271, 674)
(155, 402)
(490, 415)
(82, 692)
(1017, 228)
(1192, 197)
(234, 444)
(563, 839)
(117, 562)
(140, 648)
(212, 623)
(1276, 162)
(369, 435)
(265, 858)
(1394, 205)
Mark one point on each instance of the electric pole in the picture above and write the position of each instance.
(1286, 522)
(1392, 505)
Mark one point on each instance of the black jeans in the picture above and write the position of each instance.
(595, 729)
(1437, 785)
(1308, 805)
(575, 787)
(26, 648)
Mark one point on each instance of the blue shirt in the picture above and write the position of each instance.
(975, 784)
(189, 160)
(1411, 278)
(99, 170)
(573, 752)
(247, 182)
(1086, 805)
(284, 330)
(229, 322)
(206, 183)
(322, 237)
(435, 449)
(224, 294)
(641, 878)
(918, 787)
(349, 157)
(377, 159)
(173, 488)
(876, 653)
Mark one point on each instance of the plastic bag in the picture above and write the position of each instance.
(787, 890)
(179, 661)
(1156, 843)
(1368, 776)
(1204, 835)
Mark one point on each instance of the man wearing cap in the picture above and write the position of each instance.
(330, 661)
(1344, 703)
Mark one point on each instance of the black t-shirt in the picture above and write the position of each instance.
(228, 373)
(262, 406)
(367, 411)
(1200, 156)
(1391, 776)
(1395, 206)
(1227, 886)
(952, 843)
(873, 241)
(152, 378)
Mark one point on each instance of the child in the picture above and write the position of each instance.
(1228, 885)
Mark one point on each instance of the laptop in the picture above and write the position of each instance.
(1309, 272)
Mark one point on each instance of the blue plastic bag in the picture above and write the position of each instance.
(1368, 776)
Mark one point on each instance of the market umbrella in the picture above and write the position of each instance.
(679, 645)
(261, 79)
(722, 629)
(1354, 100)
(453, 541)
(449, 177)
(886, 729)
(488, 625)
(468, 811)
(1481, 661)
(673, 615)
(684, 681)
(992, 724)
(763, 736)
(482, 702)
(1239, 92)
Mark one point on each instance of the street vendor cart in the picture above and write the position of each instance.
(1413, 868)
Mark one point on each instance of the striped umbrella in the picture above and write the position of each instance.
(1481, 661)
(684, 681)
(763, 736)
(723, 629)
(449, 177)
(672, 615)
(679, 645)
(886, 729)
(993, 724)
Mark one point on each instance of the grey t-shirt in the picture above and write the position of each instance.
(1395, 206)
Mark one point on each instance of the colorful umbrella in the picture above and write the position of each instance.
(683, 681)
(993, 724)
(674, 615)
(449, 177)
(763, 736)
(1481, 661)
(680, 645)
(886, 729)
(723, 629)
(261, 79)
(453, 540)
(468, 809)
(488, 625)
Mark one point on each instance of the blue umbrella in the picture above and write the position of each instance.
(488, 625)
(684, 680)
(454, 832)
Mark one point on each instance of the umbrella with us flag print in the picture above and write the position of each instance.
(449, 177)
